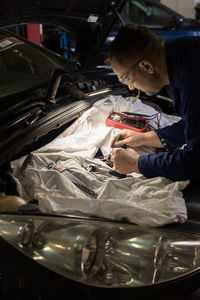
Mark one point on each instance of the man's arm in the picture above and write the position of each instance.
(166, 164)
(137, 139)
(172, 136)
(181, 164)
(169, 137)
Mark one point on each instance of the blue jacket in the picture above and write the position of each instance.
(181, 140)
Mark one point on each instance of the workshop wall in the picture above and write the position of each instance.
(184, 7)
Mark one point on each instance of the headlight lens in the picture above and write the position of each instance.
(103, 254)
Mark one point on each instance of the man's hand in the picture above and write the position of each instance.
(137, 139)
(130, 137)
(125, 160)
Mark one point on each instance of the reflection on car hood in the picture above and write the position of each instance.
(90, 20)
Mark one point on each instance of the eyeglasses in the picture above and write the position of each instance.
(125, 79)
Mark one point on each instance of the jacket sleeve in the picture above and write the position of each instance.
(172, 136)
(179, 164)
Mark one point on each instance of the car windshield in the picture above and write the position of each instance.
(144, 13)
(21, 66)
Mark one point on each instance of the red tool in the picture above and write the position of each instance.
(123, 121)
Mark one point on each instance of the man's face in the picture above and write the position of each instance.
(140, 75)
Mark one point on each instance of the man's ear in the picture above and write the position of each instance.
(147, 66)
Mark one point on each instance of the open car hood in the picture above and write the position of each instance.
(89, 20)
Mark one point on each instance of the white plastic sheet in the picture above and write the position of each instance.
(153, 202)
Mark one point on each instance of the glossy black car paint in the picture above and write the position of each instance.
(21, 277)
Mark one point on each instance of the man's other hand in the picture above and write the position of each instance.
(125, 161)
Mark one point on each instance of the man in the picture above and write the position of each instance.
(144, 61)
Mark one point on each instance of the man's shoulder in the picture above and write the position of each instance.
(182, 56)
(183, 44)
(183, 51)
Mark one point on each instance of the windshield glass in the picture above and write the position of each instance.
(21, 66)
(145, 13)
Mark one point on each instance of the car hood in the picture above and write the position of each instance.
(89, 20)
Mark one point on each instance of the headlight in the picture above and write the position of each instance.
(103, 254)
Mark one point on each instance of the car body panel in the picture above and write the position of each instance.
(22, 277)
(162, 20)
(94, 17)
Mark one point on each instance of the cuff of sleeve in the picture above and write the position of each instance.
(163, 140)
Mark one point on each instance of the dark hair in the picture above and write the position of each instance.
(132, 43)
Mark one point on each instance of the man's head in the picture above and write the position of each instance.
(137, 56)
